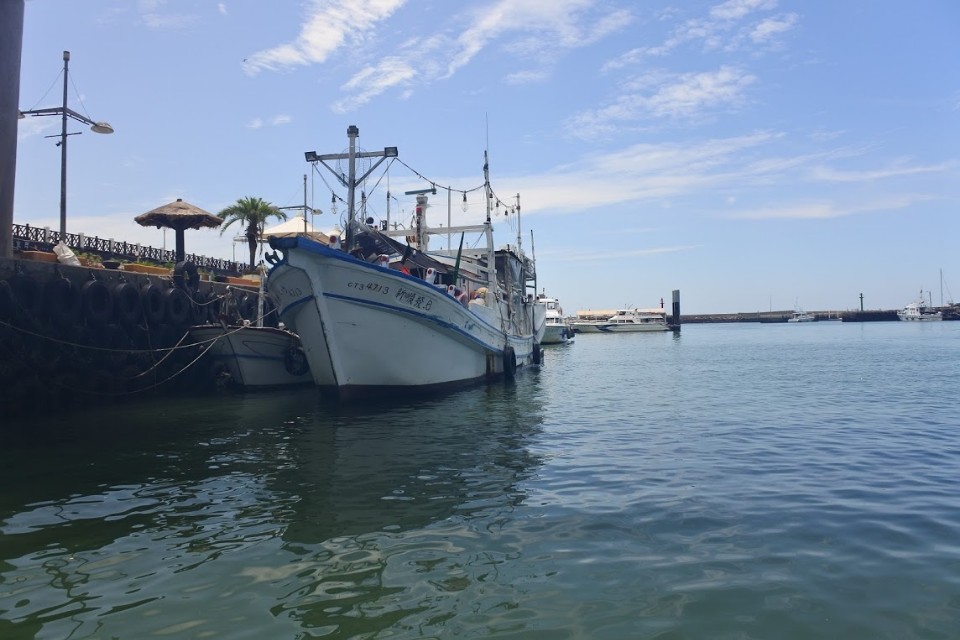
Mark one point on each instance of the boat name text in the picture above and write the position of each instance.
(414, 299)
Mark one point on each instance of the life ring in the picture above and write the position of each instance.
(177, 304)
(509, 363)
(97, 302)
(62, 300)
(126, 303)
(185, 275)
(295, 361)
(152, 303)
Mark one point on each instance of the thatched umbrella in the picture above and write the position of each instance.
(178, 216)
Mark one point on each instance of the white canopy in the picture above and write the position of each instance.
(293, 226)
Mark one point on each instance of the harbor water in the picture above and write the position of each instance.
(735, 481)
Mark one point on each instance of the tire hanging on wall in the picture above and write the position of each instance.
(8, 301)
(177, 305)
(152, 304)
(27, 296)
(126, 304)
(186, 276)
(97, 302)
(62, 301)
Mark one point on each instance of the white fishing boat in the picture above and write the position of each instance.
(625, 321)
(249, 354)
(557, 330)
(920, 311)
(379, 316)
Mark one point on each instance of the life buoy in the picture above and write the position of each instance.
(97, 302)
(295, 361)
(126, 304)
(152, 304)
(177, 305)
(185, 275)
(509, 363)
(62, 301)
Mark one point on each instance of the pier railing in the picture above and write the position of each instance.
(26, 237)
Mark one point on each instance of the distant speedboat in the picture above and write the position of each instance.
(919, 311)
(556, 328)
(802, 316)
(626, 321)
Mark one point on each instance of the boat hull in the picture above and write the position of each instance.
(253, 357)
(557, 333)
(367, 329)
(606, 327)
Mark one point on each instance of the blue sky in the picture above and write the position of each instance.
(754, 154)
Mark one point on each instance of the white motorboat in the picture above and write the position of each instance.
(379, 316)
(920, 311)
(802, 316)
(556, 328)
(626, 321)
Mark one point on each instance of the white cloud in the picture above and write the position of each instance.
(256, 123)
(824, 210)
(328, 27)
(662, 95)
(532, 29)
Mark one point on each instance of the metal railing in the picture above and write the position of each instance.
(29, 238)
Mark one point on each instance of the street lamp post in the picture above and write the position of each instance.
(65, 112)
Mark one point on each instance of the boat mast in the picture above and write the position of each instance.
(351, 181)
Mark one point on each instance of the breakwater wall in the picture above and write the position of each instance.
(951, 312)
(73, 336)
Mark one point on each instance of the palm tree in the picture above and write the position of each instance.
(254, 213)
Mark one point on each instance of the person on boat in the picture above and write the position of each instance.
(479, 296)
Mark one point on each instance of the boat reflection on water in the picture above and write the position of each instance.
(321, 513)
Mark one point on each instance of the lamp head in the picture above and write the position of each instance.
(101, 127)
(311, 156)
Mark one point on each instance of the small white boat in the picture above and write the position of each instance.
(250, 355)
(802, 316)
(556, 328)
(626, 321)
(920, 311)
(253, 357)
